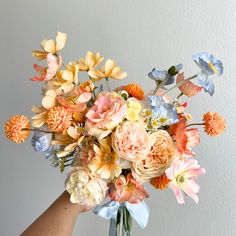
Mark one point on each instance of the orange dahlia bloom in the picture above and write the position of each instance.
(160, 182)
(17, 128)
(215, 124)
(134, 90)
(58, 119)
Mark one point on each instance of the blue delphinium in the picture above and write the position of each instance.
(164, 113)
(41, 142)
(164, 75)
(210, 68)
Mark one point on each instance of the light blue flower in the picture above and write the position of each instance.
(161, 75)
(164, 112)
(41, 142)
(210, 68)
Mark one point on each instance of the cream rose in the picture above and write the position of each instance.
(83, 189)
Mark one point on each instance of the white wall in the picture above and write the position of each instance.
(139, 35)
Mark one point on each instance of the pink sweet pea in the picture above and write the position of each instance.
(189, 89)
(128, 190)
(47, 73)
(182, 175)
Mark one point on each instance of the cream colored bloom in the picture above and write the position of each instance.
(90, 61)
(110, 70)
(51, 46)
(65, 80)
(105, 163)
(133, 109)
(84, 188)
(159, 158)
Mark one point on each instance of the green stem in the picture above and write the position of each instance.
(108, 87)
(159, 85)
(181, 94)
(180, 83)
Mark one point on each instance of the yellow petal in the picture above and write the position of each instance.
(48, 102)
(67, 75)
(109, 66)
(49, 46)
(39, 55)
(60, 41)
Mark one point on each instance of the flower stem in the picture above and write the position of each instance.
(180, 83)
(194, 124)
(43, 131)
(181, 94)
(108, 87)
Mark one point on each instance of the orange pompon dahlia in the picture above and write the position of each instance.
(160, 182)
(215, 124)
(17, 128)
(58, 119)
(134, 90)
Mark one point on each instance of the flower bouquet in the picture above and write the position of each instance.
(116, 140)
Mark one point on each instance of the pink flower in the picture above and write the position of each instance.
(130, 191)
(46, 74)
(131, 141)
(108, 111)
(182, 175)
(189, 89)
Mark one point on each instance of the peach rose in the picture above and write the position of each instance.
(159, 158)
(108, 111)
(131, 141)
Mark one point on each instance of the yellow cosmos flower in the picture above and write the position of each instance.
(66, 79)
(51, 46)
(76, 133)
(133, 109)
(110, 70)
(90, 61)
(105, 163)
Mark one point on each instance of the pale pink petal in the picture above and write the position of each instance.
(177, 191)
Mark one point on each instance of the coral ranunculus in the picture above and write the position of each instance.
(131, 141)
(17, 128)
(132, 191)
(134, 90)
(108, 111)
(159, 157)
(215, 124)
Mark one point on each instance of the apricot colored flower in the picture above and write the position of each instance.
(134, 90)
(58, 119)
(47, 73)
(84, 188)
(132, 191)
(110, 70)
(76, 133)
(185, 139)
(51, 46)
(189, 88)
(160, 182)
(90, 61)
(75, 101)
(131, 141)
(107, 112)
(214, 123)
(105, 164)
(159, 157)
(16, 128)
(182, 175)
(87, 86)
(65, 80)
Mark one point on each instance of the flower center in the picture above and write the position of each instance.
(212, 67)
(107, 159)
(72, 100)
(180, 179)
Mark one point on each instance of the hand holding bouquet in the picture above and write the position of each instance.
(115, 141)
